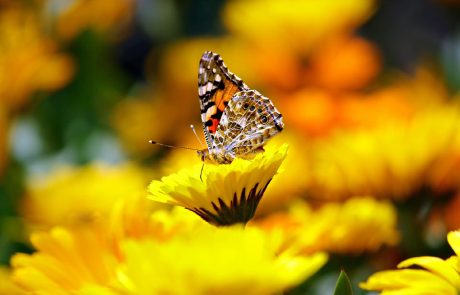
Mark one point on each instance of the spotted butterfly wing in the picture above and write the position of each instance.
(237, 121)
(249, 120)
(216, 87)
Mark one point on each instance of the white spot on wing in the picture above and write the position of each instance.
(201, 90)
(209, 86)
(211, 111)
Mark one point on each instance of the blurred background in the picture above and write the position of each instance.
(368, 91)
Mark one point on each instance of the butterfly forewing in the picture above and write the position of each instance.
(216, 87)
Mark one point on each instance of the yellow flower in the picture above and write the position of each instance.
(298, 23)
(136, 218)
(85, 260)
(7, 287)
(99, 15)
(351, 227)
(66, 262)
(24, 46)
(168, 247)
(434, 276)
(226, 194)
(391, 160)
(303, 26)
(211, 260)
(73, 196)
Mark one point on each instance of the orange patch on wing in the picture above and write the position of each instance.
(224, 95)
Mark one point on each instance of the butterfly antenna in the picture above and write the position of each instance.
(196, 135)
(173, 146)
(201, 172)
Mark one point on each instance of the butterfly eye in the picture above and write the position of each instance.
(264, 119)
(252, 108)
(245, 106)
(259, 111)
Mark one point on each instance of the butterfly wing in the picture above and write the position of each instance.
(216, 86)
(249, 120)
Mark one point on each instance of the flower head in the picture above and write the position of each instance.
(349, 227)
(210, 260)
(226, 194)
(65, 261)
(197, 257)
(391, 161)
(433, 276)
(6, 284)
(73, 196)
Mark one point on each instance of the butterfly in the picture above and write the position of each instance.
(237, 120)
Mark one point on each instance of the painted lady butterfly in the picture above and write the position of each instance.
(237, 120)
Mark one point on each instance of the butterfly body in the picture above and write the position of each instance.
(237, 120)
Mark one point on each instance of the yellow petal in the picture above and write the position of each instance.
(453, 238)
(435, 265)
(408, 281)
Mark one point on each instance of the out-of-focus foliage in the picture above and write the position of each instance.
(364, 175)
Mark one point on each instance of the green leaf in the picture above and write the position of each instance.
(343, 286)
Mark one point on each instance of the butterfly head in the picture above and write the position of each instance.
(203, 154)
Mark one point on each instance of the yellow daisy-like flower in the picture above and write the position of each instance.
(349, 227)
(66, 261)
(210, 260)
(73, 196)
(391, 160)
(197, 257)
(434, 276)
(227, 194)
(7, 287)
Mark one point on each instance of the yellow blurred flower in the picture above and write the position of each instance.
(304, 28)
(99, 15)
(210, 260)
(391, 160)
(7, 287)
(29, 61)
(325, 112)
(349, 228)
(299, 24)
(86, 260)
(73, 196)
(432, 276)
(227, 194)
(66, 262)
(176, 246)
(136, 218)
(291, 178)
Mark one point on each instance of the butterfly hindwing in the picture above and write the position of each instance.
(249, 120)
(216, 87)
